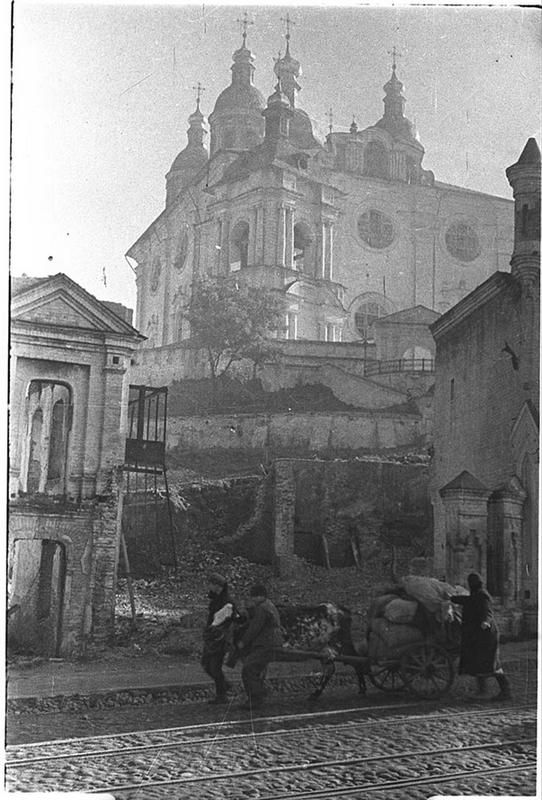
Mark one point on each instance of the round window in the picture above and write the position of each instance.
(376, 229)
(366, 315)
(155, 275)
(182, 252)
(462, 241)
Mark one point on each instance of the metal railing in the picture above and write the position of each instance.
(400, 365)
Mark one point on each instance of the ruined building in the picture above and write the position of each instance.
(486, 466)
(349, 230)
(70, 356)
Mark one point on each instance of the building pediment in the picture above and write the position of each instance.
(418, 315)
(464, 483)
(60, 302)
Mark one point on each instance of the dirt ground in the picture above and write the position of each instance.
(170, 609)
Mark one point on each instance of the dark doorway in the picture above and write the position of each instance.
(37, 577)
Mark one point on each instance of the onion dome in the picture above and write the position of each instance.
(236, 122)
(278, 97)
(302, 131)
(190, 160)
(287, 69)
(277, 116)
(394, 120)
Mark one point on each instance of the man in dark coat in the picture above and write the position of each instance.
(480, 638)
(258, 644)
(216, 634)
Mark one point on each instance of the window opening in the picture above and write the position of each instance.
(239, 247)
(462, 242)
(366, 316)
(376, 229)
(333, 332)
(291, 325)
(302, 247)
(49, 413)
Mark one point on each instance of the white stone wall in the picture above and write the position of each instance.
(303, 432)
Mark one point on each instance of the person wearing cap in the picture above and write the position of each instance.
(258, 644)
(479, 654)
(215, 635)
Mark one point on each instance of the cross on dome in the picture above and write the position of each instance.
(394, 53)
(245, 22)
(329, 115)
(287, 21)
(198, 89)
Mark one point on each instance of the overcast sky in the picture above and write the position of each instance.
(101, 96)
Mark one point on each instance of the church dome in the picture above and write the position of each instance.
(236, 122)
(301, 130)
(190, 160)
(234, 98)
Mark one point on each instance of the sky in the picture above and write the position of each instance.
(101, 95)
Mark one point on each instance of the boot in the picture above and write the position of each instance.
(481, 683)
(219, 700)
(504, 686)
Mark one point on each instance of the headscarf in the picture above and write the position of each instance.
(475, 581)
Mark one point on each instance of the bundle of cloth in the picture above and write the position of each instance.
(408, 612)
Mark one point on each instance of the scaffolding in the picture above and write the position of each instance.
(145, 471)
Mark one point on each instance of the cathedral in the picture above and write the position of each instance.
(350, 230)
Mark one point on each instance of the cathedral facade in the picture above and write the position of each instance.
(349, 230)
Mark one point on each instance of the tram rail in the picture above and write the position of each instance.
(117, 738)
(184, 774)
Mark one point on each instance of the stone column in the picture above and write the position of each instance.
(322, 254)
(466, 532)
(281, 237)
(94, 427)
(225, 252)
(283, 515)
(329, 252)
(46, 402)
(112, 440)
(219, 246)
(289, 257)
(508, 515)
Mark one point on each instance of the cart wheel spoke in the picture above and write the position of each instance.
(387, 677)
(427, 670)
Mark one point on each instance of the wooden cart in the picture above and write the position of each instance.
(427, 668)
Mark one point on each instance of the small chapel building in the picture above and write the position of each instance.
(349, 230)
(485, 477)
(69, 381)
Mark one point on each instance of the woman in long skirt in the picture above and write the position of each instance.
(480, 639)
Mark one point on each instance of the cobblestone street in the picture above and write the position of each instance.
(385, 746)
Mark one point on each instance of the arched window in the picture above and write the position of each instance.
(375, 161)
(411, 170)
(303, 248)
(462, 241)
(239, 246)
(57, 441)
(34, 453)
(49, 414)
(418, 358)
(366, 314)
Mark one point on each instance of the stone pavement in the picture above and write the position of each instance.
(54, 678)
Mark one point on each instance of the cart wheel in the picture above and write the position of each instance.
(387, 676)
(427, 671)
